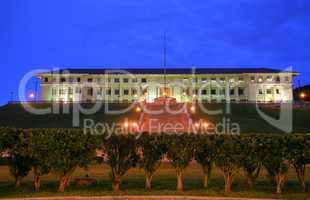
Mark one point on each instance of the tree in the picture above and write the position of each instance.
(275, 158)
(40, 154)
(70, 148)
(180, 153)
(228, 157)
(299, 156)
(18, 144)
(121, 153)
(205, 152)
(151, 148)
(250, 159)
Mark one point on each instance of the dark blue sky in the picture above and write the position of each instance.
(100, 33)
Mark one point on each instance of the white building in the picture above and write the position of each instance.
(184, 84)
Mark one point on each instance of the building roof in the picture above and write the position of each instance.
(168, 71)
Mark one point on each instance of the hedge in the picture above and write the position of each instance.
(61, 151)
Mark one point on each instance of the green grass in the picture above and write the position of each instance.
(244, 114)
(163, 184)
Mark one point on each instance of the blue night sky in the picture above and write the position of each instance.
(37, 34)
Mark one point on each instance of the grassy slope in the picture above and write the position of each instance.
(244, 114)
(164, 184)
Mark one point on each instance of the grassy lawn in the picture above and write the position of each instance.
(243, 114)
(164, 184)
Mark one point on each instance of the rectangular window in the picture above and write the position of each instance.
(213, 79)
(195, 91)
(116, 92)
(269, 91)
(260, 91)
(194, 80)
(61, 91)
(62, 80)
(286, 79)
(222, 79)
(241, 78)
(78, 79)
(109, 92)
(240, 91)
(143, 80)
(204, 80)
(277, 91)
(70, 91)
(134, 91)
(116, 80)
(99, 91)
(203, 92)
(252, 78)
(213, 91)
(54, 91)
(125, 80)
(77, 90)
(90, 91)
(89, 80)
(126, 92)
(134, 80)
(222, 91)
(232, 91)
(45, 79)
(278, 79)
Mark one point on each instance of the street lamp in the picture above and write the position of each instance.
(31, 96)
(302, 95)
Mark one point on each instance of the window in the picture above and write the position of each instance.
(109, 92)
(78, 79)
(213, 91)
(89, 80)
(99, 91)
(269, 91)
(194, 80)
(116, 80)
(241, 78)
(260, 91)
(125, 80)
(62, 79)
(222, 79)
(203, 92)
(277, 91)
(252, 78)
(70, 91)
(143, 80)
(54, 91)
(232, 91)
(78, 90)
(213, 79)
(126, 92)
(61, 91)
(116, 92)
(204, 80)
(45, 79)
(240, 91)
(269, 78)
(286, 79)
(90, 91)
(222, 91)
(278, 79)
(195, 91)
(134, 91)
(260, 79)
(134, 80)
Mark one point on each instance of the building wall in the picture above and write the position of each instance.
(208, 87)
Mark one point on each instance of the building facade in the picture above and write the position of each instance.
(186, 84)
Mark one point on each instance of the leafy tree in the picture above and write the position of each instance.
(299, 154)
(180, 153)
(121, 155)
(41, 154)
(274, 156)
(205, 152)
(228, 157)
(18, 145)
(70, 148)
(250, 158)
(152, 149)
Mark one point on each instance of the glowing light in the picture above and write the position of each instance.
(134, 124)
(184, 93)
(164, 94)
(196, 124)
(194, 95)
(192, 108)
(126, 124)
(205, 124)
(31, 95)
(145, 93)
(302, 95)
(135, 95)
(138, 109)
